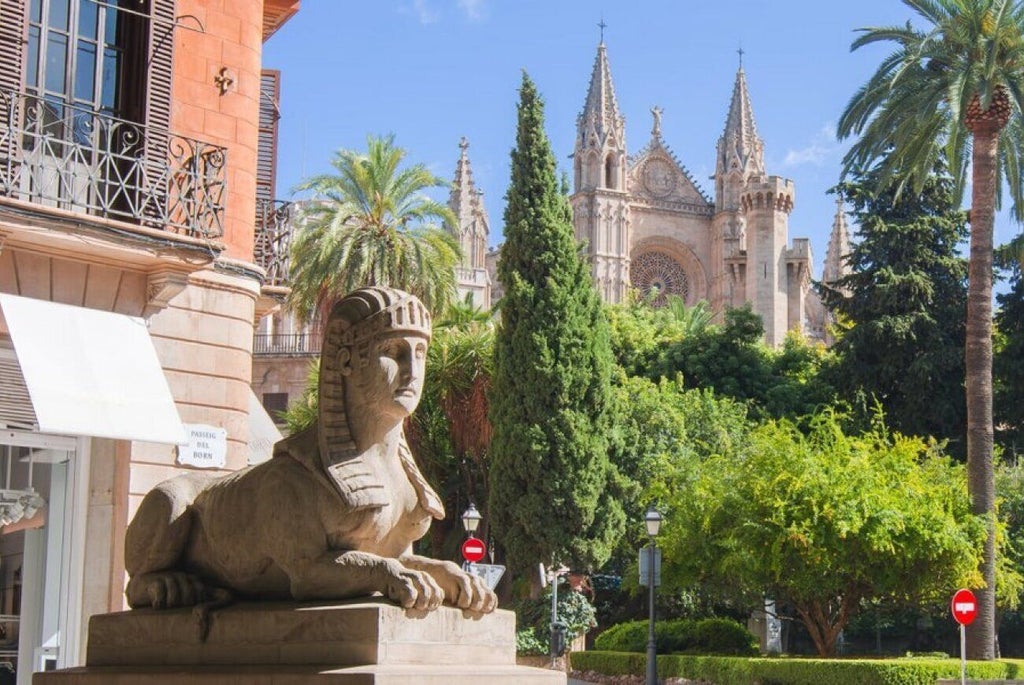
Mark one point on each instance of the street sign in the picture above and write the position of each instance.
(473, 549)
(645, 560)
(491, 573)
(965, 607)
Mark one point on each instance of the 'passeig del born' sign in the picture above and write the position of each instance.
(207, 447)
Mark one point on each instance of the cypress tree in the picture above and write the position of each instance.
(550, 498)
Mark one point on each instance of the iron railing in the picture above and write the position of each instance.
(274, 225)
(287, 343)
(61, 155)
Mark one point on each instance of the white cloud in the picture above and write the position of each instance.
(817, 151)
(424, 12)
(473, 9)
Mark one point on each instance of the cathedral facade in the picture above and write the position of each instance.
(648, 226)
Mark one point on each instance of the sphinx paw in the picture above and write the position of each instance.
(165, 590)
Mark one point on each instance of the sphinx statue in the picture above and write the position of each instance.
(334, 513)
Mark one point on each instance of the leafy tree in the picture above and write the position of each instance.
(904, 305)
(956, 88)
(549, 470)
(822, 520)
(1008, 365)
(733, 361)
(371, 224)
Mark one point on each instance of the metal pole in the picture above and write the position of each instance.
(652, 665)
(963, 655)
(554, 615)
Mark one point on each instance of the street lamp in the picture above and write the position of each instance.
(653, 521)
(471, 519)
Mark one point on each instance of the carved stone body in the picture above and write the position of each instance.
(334, 514)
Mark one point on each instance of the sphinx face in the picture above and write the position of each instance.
(390, 379)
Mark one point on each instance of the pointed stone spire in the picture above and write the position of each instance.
(466, 202)
(740, 148)
(835, 266)
(600, 124)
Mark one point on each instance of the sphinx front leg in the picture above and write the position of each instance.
(460, 588)
(345, 575)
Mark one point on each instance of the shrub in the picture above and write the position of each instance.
(741, 671)
(722, 636)
(706, 636)
(527, 643)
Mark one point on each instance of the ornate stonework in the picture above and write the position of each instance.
(658, 273)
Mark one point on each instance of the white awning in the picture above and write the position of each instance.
(263, 433)
(91, 372)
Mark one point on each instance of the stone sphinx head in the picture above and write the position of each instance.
(375, 345)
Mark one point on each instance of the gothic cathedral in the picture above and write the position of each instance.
(648, 226)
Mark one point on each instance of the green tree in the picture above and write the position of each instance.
(370, 223)
(956, 88)
(904, 302)
(1008, 365)
(549, 470)
(822, 520)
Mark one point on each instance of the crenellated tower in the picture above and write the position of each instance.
(472, 232)
(600, 199)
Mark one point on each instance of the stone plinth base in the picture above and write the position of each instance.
(350, 643)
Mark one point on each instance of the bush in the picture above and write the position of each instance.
(527, 643)
(740, 671)
(574, 611)
(706, 636)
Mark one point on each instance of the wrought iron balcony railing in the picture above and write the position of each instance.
(60, 155)
(287, 343)
(274, 225)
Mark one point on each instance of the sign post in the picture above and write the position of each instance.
(965, 609)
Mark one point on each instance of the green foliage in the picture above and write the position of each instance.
(705, 636)
(733, 361)
(905, 304)
(528, 643)
(660, 429)
(740, 671)
(372, 224)
(302, 413)
(574, 611)
(1010, 507)
(1008, 366)
(823, 520)
(549, 468)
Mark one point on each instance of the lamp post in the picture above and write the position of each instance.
(471, 519)
(653, 521)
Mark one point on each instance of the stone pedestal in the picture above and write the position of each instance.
(347, 643)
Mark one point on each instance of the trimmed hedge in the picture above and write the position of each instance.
(784, 671)
(687, 636)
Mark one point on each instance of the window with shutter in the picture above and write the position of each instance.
(12, 55)
(266, 153)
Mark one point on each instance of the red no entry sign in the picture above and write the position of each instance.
(473, 550)
(965, 607)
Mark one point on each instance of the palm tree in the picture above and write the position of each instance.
(371, 224)
(957, 88)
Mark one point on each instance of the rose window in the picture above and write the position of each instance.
(656, 275)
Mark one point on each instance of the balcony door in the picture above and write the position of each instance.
(83, 105)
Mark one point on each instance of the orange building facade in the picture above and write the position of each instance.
(129, 285)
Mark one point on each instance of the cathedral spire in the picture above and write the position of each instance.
(838, 247)
(740, 148)
(466, 202)
(600, 123)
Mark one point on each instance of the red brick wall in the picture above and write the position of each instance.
(233, 39)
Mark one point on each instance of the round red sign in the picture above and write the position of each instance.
(473, 550)
(965, 607)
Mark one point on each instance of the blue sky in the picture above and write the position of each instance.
(431, 71)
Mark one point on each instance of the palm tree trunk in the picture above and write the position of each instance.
(981, 634)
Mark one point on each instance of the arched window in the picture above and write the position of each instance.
(610, 168)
